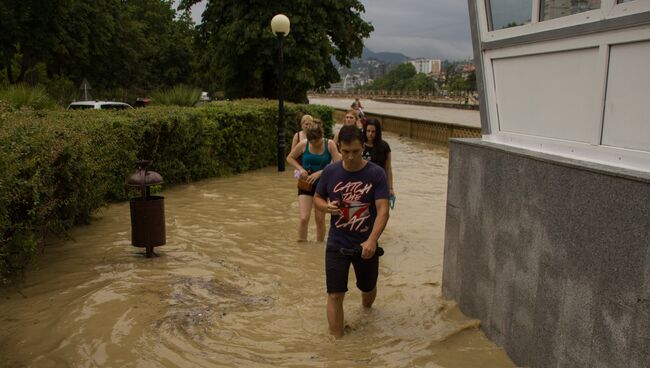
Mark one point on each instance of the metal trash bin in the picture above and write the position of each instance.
(147, 211)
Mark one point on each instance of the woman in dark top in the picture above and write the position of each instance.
(377, 150)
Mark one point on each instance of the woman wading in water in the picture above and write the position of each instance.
(377, 150)
(314, 153)
(301, 135)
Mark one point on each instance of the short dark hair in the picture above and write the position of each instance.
(349, 133)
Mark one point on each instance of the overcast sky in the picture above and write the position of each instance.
(436, 29)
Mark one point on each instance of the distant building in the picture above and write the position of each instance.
(465, 69)
(427, 66)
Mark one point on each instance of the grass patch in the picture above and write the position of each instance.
(23, 96)
(180, 95)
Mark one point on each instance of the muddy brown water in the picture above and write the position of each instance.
(232, 287)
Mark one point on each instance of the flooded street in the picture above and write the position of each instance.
(232, 287)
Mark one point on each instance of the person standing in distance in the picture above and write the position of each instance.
(355, 192)
(362, 116)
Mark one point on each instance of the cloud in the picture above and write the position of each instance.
(417, 28)
(420, 28)
(422, 47)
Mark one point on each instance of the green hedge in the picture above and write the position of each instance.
(59, 166)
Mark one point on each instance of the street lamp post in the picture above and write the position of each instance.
(280, 27)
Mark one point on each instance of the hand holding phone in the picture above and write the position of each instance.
(333, 207)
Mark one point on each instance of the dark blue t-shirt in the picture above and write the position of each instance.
(356, 193)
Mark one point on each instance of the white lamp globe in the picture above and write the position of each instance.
(280, 24)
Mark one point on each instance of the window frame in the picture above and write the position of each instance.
(609, 10)
(613, 24)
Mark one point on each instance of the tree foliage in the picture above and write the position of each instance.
(240, 51)
(403, 77)
(111, 43)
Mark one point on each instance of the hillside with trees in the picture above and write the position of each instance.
(405, 78)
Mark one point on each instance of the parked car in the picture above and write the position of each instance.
(99, 105)
(141, 102)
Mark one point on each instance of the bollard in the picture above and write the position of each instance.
(147, 211)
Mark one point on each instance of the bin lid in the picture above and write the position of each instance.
(142, 178)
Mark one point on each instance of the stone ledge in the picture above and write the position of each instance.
(558, 160)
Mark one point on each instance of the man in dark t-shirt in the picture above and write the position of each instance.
(355, 193)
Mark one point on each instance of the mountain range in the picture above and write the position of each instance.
(386, 57)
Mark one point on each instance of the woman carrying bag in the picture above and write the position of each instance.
(315, 153)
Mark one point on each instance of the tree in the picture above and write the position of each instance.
(112, 43)
(240, 52)
(402, 77)
(125, 44)
(25, 32)
(420, 82)
(471, 81)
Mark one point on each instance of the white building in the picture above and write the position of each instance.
(427, 66)
(547, 227)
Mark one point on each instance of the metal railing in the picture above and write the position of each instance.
(465, 101)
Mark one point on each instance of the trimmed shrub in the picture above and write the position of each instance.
(60, 166)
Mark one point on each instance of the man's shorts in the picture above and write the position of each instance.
(337, 268)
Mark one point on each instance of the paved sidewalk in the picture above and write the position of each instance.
(470, 118)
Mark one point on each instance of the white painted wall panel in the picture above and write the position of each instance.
(554, 95)
(627, 103)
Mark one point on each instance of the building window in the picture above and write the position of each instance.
(509, 13)
(551, 9)
(624, 1)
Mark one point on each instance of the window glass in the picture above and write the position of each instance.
(551, 9)
(624, 1)
(114, 106)
(509, 13)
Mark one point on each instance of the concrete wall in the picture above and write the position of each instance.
(551, 254)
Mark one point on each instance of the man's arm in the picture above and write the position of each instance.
(370, 245)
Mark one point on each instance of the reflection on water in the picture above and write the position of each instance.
(232, 288)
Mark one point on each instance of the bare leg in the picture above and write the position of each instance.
(319, 218)
(335, 313)
(368, 298)
(304, 208)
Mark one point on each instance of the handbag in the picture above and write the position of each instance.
(305, 185)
